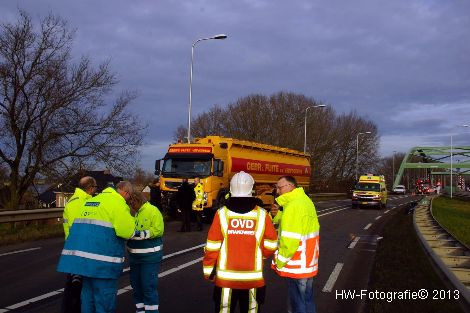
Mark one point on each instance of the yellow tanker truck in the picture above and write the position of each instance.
(215, 159)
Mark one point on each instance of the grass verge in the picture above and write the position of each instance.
(453, 215)
(400, 265)
(11, 233)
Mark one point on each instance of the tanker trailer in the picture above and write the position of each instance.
(215, 159)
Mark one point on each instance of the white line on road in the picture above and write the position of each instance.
(368, 225)
(333, 211)
(333, 277)
(19, 251)
(328, 209)
(165, 273)
(354, 243)
(386, 211)
(378, 217)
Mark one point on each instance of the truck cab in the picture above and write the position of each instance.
(370, 191)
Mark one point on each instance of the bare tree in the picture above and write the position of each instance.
(279, 120)
(53, 117)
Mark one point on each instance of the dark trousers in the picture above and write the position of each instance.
(185, 219)
(198, 219)
(71, 298)
(226, 299)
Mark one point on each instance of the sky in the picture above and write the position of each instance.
(403, 64)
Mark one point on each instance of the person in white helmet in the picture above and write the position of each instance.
(241, 235)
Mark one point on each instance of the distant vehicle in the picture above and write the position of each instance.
(423, 186)
(370, 190)
(399, 190)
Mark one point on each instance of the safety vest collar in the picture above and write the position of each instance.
(296, 193)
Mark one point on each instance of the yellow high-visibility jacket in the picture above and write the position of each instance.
(73, 208)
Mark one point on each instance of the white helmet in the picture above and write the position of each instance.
(241, 185)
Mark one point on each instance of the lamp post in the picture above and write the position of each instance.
(357, 150)
(393, 168)
(305, 124)
(220, 36)
(451, 156)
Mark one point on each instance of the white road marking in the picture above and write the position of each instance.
(333, 212)
(386, 211)
(378, 217)
(354, 243)
(19, 251)
(368, 225)
(333, 277)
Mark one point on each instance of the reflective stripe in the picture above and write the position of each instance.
(139, 305)
(93, 222)
(270, 244)
(213, 245)
(282, 259)
(151, 307)
(298, 270)
(310, 236)
(146, 250)
(93, 256)
(252, 303)
(259, 233)
(224, 226)
(225, 300)
(289, 234)
(239, 275)
(208, 270)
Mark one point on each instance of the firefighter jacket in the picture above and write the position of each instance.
(149, 250)
(95, 246)
(237, 242)
(299, 236)
(198, 203)
(73, 208)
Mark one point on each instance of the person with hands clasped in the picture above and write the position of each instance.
(145, 253)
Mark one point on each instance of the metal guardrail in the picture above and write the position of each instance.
(450, 255)
(30, 215)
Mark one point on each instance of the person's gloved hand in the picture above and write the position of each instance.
(144, 234)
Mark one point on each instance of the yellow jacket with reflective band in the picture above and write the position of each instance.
(198, 203)
(299, 236)
(95, 246)
(236, 245)
(72, 209)
(149, 250)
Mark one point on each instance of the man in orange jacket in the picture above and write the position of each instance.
(241, 235)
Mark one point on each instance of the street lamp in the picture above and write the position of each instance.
(220, 36)
(357, 150)
(451, 182)
(393, 168)
(305, 124)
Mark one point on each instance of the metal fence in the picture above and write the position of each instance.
(30, 215)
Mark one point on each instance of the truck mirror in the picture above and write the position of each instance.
(157, 167)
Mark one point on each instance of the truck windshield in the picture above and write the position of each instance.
(367, 187)
(184, 167)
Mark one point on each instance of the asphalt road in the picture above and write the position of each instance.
(348, 239)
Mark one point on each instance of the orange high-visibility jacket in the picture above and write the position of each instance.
(236, 245)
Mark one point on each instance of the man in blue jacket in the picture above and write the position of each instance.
(95, 247)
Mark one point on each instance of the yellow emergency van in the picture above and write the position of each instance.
(370, 190)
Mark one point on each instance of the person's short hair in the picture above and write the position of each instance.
(125, 186)
(289, 179)
(137, 199)
(86, 182)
